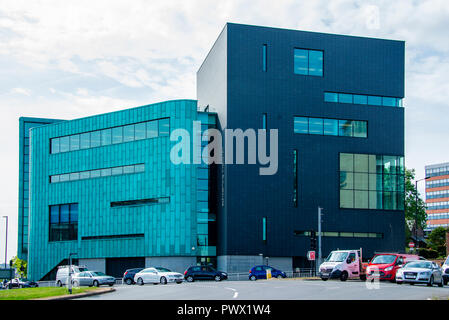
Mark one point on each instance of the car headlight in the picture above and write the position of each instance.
(427, 273)
(389, 268)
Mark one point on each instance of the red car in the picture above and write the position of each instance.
(385, 265)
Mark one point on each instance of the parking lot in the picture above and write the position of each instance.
(275, 289)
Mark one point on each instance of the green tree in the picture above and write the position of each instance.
(21, 266)
(411, 212)
(437, 240)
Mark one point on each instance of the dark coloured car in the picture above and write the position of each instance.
(128, 276)
(204, 273)
(21, 283)
(260, 272)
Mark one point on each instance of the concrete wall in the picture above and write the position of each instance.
(94, 264)
(238, 264)
(282, 263)
(177, 264)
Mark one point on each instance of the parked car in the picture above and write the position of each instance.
(92, 278)
(343, 265)
(420, 272)
(128, 276)
(385, 265)
(157, 275)
(260, 272)
(21, 283)
(445, 269)
(63, 274)
(204, 273)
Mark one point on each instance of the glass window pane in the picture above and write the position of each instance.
(84, 175)
(64, 144)
(74, 176)
(264, 57)
(388, 102)
(106, 172)
(54, 214)
(301, 65)
(346, 180)
(399, 102)
(65, 217)
(203, 184)
(74, 142)
(330, 97)
(54, 179)
(372, 200)
(202, 195)
(361, 199)
(344, 98)
(74, 212)
(106, 137)
(95, 173)
(361, 181)
(346, 162)
(388, 202)
(152, 129)
(85, 140)
(128, 133)
(64, 177)
(330, 127)
(117, 171)
(164, 127)
(346, 199)
(301, 125)
(140, 131)
(203, 173)
(95, 139)
(55, 145)
(372, 182)
(360, 162)
(360, 99)
(139, 168)
(117, 135)
(128, 169)
(372, 163)
(345, 128)
(315, 63)
(315, 126)
(360, 129)
(374, 100)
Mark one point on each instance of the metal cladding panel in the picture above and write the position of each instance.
(169, 228)
(351, 65)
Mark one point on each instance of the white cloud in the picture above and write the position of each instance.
(23, 91)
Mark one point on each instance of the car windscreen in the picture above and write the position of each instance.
(383, 259)
(447, 261)
(337, 256)
(98, 274)
(82, 269)
(159, 269)
(419, 264)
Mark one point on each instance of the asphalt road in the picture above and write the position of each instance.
(274, 289)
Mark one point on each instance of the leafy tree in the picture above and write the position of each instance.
(21, 266)
(410, 201)
(437, 240)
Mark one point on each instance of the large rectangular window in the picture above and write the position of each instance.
(295, 178)
(264, 58)
(362, 99)
(308, 62)
(63, 222)
(371, 181)
(331, 127)
(264, 229)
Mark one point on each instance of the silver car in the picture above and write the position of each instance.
(92, 278)
(427, 272)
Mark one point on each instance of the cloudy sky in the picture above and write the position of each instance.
(68, 59)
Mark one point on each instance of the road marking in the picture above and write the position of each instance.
(236, 294)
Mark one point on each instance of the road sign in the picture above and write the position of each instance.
(411, 244)
(311, 255)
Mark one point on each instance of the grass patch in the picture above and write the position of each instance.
(40, 292)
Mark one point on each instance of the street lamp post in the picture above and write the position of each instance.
(416, 211)
(6, 241)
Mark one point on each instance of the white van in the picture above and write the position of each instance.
(445, 270)
(63, 274)
(343, 265)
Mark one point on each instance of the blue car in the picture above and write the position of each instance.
(260, 272)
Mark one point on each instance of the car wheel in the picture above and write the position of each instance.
(445, 281)
(344, 276)
(163, 280)
(189, 279)
(253, 278)
(441, 284)
(59, 283)
(217, 278)
(279, 276)
(20, 286)
(324, 279)
(363, 277)
(399, 282)
(140, 282)
(129, 281)
(96, 283)
(178, 282)
(76, 284)
(111, 284)
(430, 284)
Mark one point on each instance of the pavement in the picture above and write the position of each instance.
(275, 289)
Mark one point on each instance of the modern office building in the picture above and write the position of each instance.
(437, 195)
(104, 187)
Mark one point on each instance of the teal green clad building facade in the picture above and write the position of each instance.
(104, 187)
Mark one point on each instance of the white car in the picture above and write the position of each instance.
(427, 272)
(445, 268)
(157, 275)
